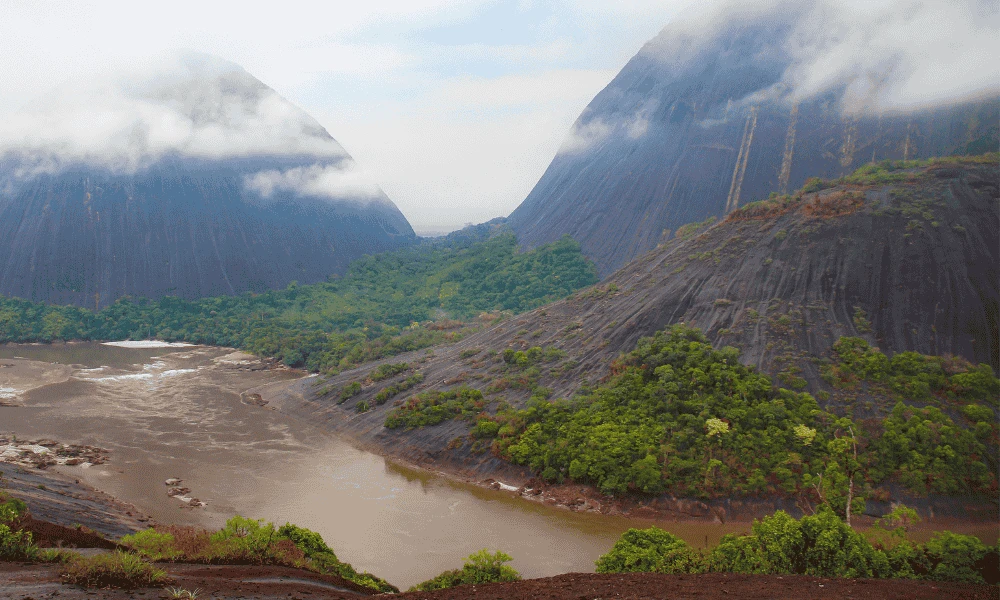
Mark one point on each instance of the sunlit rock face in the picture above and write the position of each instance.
(194, 179)
(706, 119)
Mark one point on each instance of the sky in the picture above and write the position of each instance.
(455, 108)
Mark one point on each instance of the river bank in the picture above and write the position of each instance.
(190, 414)
(410, 449)
(219, 421)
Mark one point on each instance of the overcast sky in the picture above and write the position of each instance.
(454, 107)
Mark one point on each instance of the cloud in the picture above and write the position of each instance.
(335, 182)
(186, 104)
(880, 55)
(587, 133)
(585, 136)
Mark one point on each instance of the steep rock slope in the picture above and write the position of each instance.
(909, 265)
(250, 195)
(698, 123)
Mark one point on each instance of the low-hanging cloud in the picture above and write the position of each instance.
(883, 56)
(585, 136)
(336, 182)
(185, 104)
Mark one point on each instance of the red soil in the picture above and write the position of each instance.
(223, 582)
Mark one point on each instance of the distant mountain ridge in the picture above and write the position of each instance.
(257, 196)
(692, 128)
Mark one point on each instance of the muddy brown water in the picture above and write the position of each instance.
(176, 412)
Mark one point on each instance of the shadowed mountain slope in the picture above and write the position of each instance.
(698, 123)
(906, 259)
(255, 196)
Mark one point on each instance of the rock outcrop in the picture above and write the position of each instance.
(252, 194)
(700, 122)
(911, 265)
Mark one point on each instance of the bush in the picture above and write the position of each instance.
(117, 569)
(14, 545)
(480, 567)
(351, 390)
(954, 557)
(650, 551)
(431, 408)
(820, 545)
(152, 544)
(249, 541)
(325, 560)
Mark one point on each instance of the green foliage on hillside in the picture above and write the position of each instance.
(481, 567)
(909, 375)
(248, 541)
(678, 415)
(650, 551)
(380, 308)
(14, 543)
(432, 408)
(819, 545)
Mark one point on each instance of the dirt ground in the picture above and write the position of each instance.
(24, 582)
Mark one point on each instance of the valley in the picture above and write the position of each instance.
(177, 413)
(723, 319)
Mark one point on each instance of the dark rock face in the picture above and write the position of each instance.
(91, 225)
(180, 228)
(908, 266)
(692, 128)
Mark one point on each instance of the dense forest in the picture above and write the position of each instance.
(385, 304)
(679, 416)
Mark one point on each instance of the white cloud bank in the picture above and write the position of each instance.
(185, 104)
(886, 55)
(339, 181)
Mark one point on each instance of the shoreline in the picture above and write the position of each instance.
(587, 500)
(281, 395)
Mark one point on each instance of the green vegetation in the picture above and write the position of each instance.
(14, 544)
(820, 545)
(432, 408)
(911, 376)
(247, 542)
(388, 371)
(678, 415)
(687, 231)
(880, 173)
(395, 389)
(381, 307)
(480, 567)
(650, 551)
(324, 559)
(116, 570)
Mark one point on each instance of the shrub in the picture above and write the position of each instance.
(152, 544)
(431, 408)
(650, 551)
(480, 567)
(350, 390)
(820, 545)
(387, 371)
(954, 557)
(14, 545)
(325, 560)
(117, 569)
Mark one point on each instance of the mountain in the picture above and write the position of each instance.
(196, 180)
(905, 258)
(702, 121)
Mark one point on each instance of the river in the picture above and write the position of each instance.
(176, 412)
